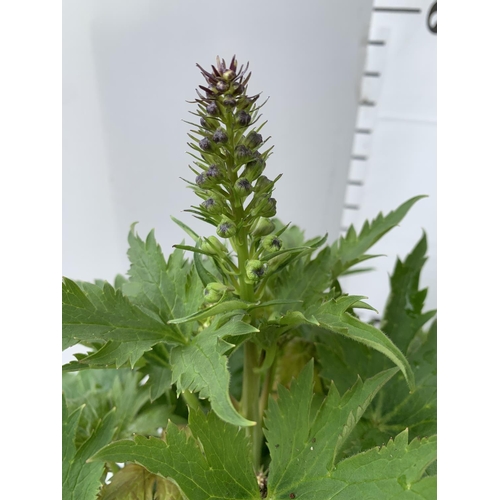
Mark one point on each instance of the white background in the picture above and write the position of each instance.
(401, 149)
(129, 67)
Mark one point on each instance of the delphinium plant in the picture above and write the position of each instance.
(238, 368)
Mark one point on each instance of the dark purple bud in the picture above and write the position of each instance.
(212, 109)
(205, 144)
(230, 102)
(243, 118)
(202, 180)
(213, 173)
(236, 89)
(253, 139)
(243, 187)
(203, 122)
(222, 86)
(220, 135)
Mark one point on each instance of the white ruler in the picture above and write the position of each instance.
(394, 150)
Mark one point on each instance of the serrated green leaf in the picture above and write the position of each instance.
(303, 447)
(349, 250)
(93, 314)
(134, 482)
(394, 408)
(220, 470)
(81, 480)
(332, 316)
(403, 315)
(100, 390)
(201, 367)
(170, 289)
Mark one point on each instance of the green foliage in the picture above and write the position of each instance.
(81, 480)
(244, 371)
(212, 463)
(304, 446)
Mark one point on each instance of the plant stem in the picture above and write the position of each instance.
(250, 400)
(191, 400)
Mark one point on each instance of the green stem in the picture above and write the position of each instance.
(191, 400)
(268, 386)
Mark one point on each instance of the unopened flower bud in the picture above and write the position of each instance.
(226, 228)
(213, 246)
(202, 180)
(243, 118)
(222, 86)
(230, 102)
(243, 187)
(242, 152)
(212, 109)
(205, 144)
(220, 135)
(255, 270)
(272, 243)
(263, 184)
(253, 139)
(213, 206)
(213, 292)
(254, 168)
(229, 75)
(236, 88)
(203, 122)
(265, 207)
(244, 103)
(213, 174)
(262, 227)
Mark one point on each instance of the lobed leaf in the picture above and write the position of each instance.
(201, 366)
(218, 469)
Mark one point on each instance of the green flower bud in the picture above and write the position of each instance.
(275, 262)
(255, 270)
(213, 246)
(263, 185)
(265, 207)
(213, 174)
(243, 153)
(254, 168)
(229, 75)
(220, 135)
(272, 243)
(262, 227)
(213, 206)
(253, 139)
(226, 228)
(215, 291)
(243, 187)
